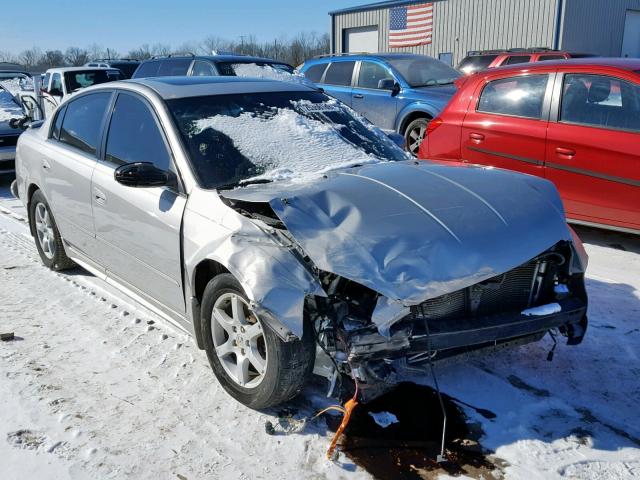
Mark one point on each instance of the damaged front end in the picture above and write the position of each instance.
(418, 263)
(496, 313)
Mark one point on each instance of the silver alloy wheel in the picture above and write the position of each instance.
(416, 135)
(239, 340)
(44, 231)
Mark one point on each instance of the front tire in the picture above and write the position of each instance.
(46, 234)
(251, 362)
(414, 134)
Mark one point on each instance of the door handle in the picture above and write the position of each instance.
(45, 164)
(565, 153)
(358, 95)
(476, 137)
(99, 197)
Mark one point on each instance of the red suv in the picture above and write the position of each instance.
(575, 122)
(476, 61)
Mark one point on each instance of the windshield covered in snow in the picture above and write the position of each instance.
(252, 69)
(259, 137)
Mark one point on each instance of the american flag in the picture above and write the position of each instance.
(410, 26)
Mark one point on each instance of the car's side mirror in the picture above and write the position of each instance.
(386, 84)
(397, 139)
(55, 92)
(142, 174)
(396, 89)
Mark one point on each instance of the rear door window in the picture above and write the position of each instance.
(314, 72)
(134, 134)
(600, 101)
(515, 59)
(174, 66)
(339, 73)
(82, 122)
(521, 96)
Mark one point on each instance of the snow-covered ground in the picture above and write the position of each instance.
(96, 386)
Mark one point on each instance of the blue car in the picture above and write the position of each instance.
(396, 92)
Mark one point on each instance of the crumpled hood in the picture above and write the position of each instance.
(417, 230)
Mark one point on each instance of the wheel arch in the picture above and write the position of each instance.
(411, 116)
(31, 189)
(203, 273)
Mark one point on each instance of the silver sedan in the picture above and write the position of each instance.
(290, 236)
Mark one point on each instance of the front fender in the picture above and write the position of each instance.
(420, 106)
(271, 274)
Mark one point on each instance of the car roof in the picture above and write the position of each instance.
(220, 58)
(630, 64)
(360, 56)
(182, 87)
(76, 69)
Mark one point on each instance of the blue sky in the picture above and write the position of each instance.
(124, 25)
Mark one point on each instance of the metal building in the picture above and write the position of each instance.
(603, 27)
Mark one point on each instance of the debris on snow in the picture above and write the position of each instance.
(384, 419)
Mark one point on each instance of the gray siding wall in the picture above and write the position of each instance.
(464, 25)
(595, 26)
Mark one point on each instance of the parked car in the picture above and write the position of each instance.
(205, 65)
(60, 82)
(288, 236)
(481, 60)
(396, 92)
(10, 108)
(126, 65)
(576, 123)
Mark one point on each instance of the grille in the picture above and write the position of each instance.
(8, 140)
(509, 292)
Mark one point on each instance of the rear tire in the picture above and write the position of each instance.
(414, 134)
(48, 240)
(252, 363)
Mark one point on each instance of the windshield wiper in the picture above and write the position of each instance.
(243, 183)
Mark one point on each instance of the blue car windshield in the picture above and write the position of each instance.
(421, 71)
(261, 137)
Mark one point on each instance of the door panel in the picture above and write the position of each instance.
(68, 165)
(139, 229)
(506, 125)
(376, 104)
(592, 151)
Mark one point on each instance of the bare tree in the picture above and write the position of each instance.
(76, 56)
(30, 58)
(8, 57)
(50, 59)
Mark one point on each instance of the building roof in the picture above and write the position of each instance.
(375, 6)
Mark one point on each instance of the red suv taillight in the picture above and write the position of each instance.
(433, 124)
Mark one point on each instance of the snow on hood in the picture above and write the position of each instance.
(414, 231)
(289, 134)
(17, 85)
(254, 70)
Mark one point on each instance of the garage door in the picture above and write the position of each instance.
(360, 39)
